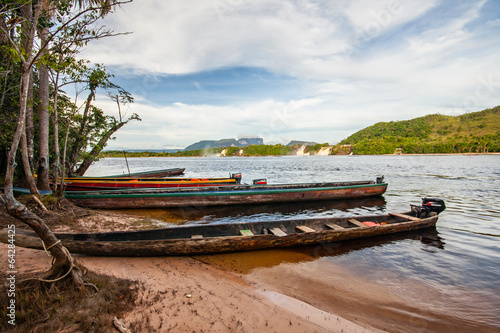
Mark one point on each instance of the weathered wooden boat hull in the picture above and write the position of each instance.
(220, 238)
(220, 196)
(236, 177)
(154, 173)
(23, 190)
(144, 174)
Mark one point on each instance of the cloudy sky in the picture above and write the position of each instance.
(304, 70)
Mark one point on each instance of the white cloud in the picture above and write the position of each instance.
(372, 18)
(362, 61)
(448, 37)
(183, 37)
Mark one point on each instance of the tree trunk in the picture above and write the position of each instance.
(57, 162)
(30, 130)
(27, 166)
(43, 122)
(64, 263)
(63, 259)
(80, 139)
(87, 162)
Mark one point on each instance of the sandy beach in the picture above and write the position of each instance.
(182, 294)
(190, 294)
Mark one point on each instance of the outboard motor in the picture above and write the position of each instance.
(237, 177)
(429, 207)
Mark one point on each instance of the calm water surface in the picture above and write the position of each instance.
(439, 280)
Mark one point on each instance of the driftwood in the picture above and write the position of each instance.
(120, 326)
(39, 203)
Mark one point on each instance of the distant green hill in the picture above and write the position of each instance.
(468, 133)
(209, 144)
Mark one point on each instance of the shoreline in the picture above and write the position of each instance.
(243, 156)
(185, 295)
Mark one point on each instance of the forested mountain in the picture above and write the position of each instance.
(208, 144)
(468, 133)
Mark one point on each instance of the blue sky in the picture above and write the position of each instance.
(303, 70)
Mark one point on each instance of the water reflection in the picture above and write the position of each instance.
(432, 241)
(267, 212)
(245, 262)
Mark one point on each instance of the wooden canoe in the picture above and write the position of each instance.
(23, 190)
(154, 173)
(100, 184)
(228, 237)
(147, 174)
(225, 195)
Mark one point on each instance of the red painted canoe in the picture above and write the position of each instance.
(101, 184)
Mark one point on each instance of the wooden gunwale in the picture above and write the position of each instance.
(219, 238)
(147, 180)
(103, 185)
(240, 190)
(153, 173)
(212, 196)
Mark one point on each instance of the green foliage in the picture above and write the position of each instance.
(470, 132)
(232, 151)
(9, 102)
(253, 150)
(266, 150)
(70, 28)
(315, 148)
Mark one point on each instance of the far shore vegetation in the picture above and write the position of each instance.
(475, 132)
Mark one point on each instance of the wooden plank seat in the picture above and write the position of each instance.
(356, 222)
(246, 232)
(277, 232)
(404, 216)
(304, 228)
(334, 226)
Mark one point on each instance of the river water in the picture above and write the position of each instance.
(442, 280)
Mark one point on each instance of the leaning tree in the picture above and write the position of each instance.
(19, 23)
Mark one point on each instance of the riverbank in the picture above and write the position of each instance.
(185, 294)
(182, 294)
(113, 154)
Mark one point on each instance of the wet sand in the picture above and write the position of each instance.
(183, 294)
(384, 301)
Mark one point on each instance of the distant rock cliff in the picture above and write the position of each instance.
(301, 143)
(207, 144)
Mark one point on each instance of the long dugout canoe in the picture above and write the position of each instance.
(145, 174)
(152, 173)
(101, 184)
(229, 237)
(225, 195)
